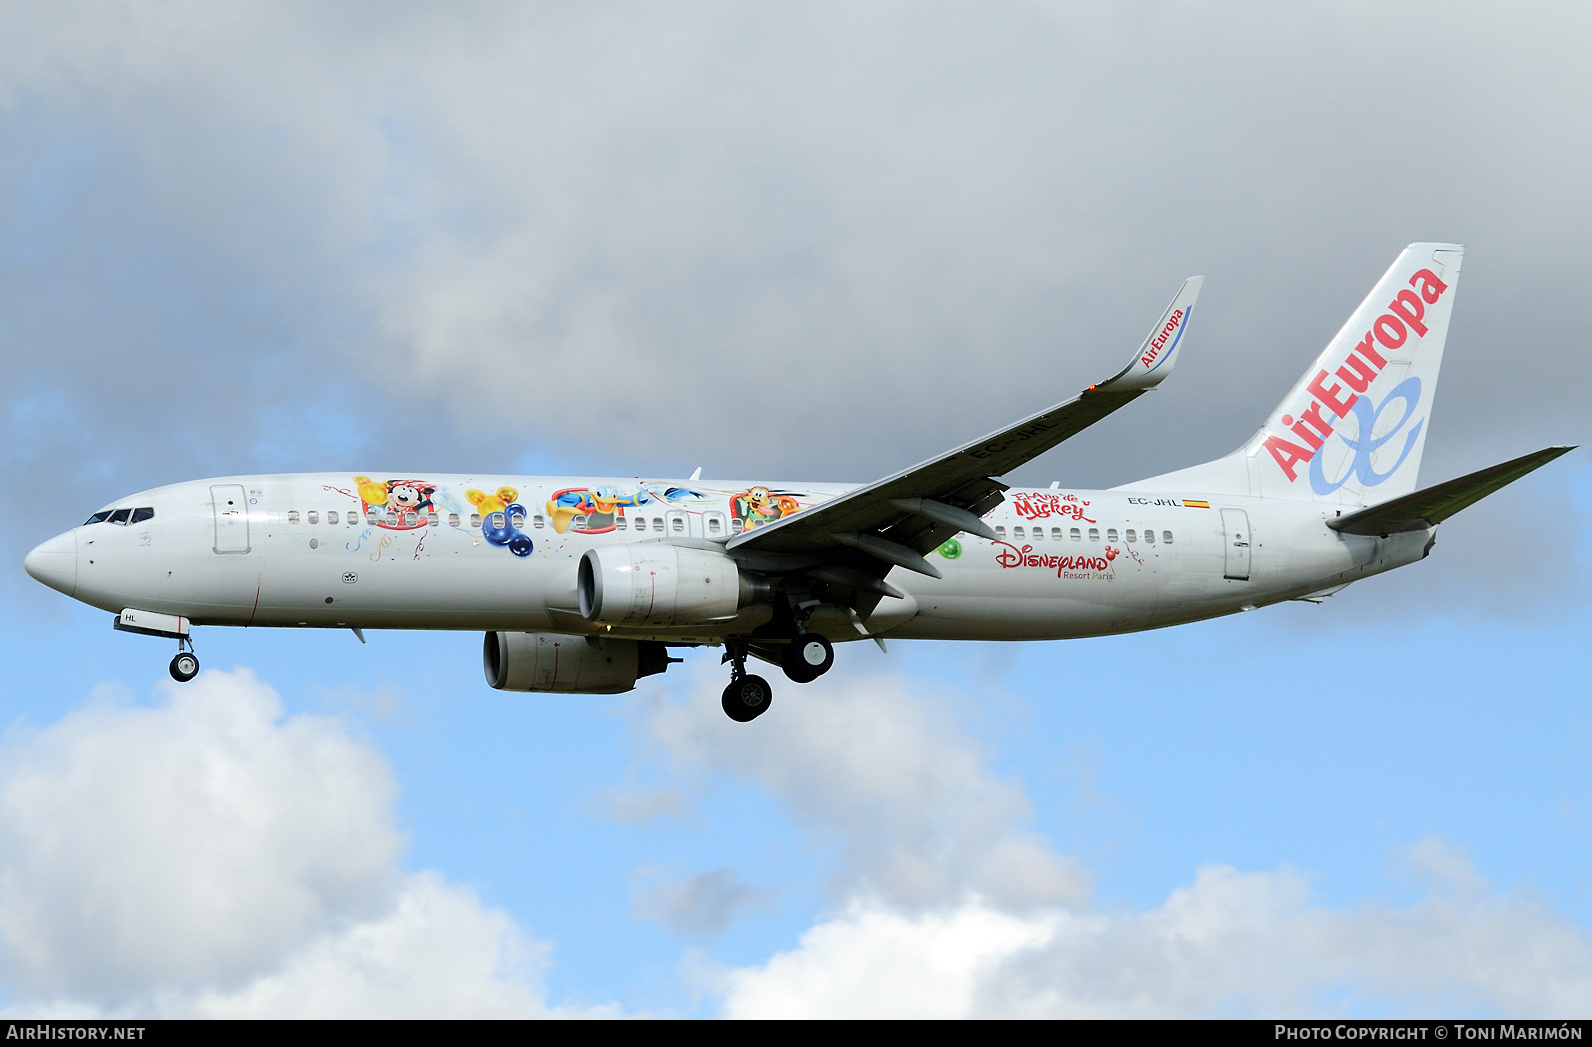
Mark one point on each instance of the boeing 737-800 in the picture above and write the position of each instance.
(583, 585)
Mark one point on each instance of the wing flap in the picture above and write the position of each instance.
(1423, 509)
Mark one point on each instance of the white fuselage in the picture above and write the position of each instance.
(500, 553)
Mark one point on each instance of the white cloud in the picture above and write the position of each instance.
(206, 856)
(948, 905)
(876, 961)
(437, 954)
(919, 817)
(1229, 944)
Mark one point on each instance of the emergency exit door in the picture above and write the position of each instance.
(1235, 532)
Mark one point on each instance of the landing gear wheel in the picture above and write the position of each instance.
(808, 657)
(184, 667)
(747, 698)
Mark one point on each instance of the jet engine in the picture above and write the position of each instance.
(557, 662)
(657, 584)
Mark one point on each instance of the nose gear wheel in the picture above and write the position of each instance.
(185, 666)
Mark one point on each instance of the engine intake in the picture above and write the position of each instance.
(657, 584)
(563, 664)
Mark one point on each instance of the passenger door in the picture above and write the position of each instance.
(1236, 537)
(232, 518)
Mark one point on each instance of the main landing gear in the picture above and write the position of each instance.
(808, 657)
(805, 658)
(748, 696)
(185, 666)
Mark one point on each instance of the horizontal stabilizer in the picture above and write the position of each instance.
(1423, 509)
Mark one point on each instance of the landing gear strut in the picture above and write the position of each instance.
(747, 697)
(185, 666)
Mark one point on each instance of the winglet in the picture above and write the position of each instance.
(1156, 357)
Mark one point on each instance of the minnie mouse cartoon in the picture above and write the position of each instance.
(410, 495)
(407, 501)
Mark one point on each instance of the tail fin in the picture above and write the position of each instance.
(1352, 429)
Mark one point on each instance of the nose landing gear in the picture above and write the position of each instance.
(748, 696)
(185, 666)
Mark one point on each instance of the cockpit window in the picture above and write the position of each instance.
(140, 515)
(120, 516)
(99, 517)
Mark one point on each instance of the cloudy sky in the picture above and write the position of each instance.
(802, 242)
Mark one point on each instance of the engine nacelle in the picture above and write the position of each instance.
(658, 584)
(558, 662)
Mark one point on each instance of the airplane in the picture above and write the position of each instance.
(585, 585)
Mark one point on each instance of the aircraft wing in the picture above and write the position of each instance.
(894, 521)
(1423, 509)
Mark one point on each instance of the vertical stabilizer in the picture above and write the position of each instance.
(1352, 429)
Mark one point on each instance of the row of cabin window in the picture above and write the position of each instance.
(121, 516)
(434, 519)
(1037, 534)
(392, 516)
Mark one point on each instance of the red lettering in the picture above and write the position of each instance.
(1313, 416)
(1288, 454)
(1159, 341)
(1303, 432)
(1431, 287)
(1038, 505)
(1357, 373)
(1389, 330)
(1009, 555)
(1331, 397)
(1367, 349)
(1407, 307)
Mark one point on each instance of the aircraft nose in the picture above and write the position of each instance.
(55, 563)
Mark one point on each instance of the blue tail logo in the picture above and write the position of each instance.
(1365, 443)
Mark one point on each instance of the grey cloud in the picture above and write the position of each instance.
(635, 805)
(815, 242)
(700, 906)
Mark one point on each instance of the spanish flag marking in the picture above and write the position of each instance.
(1194, 503)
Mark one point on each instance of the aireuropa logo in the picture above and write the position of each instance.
(1366, 443)
(1171, 330)
(1362, 366)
